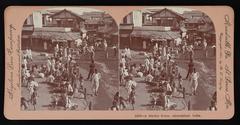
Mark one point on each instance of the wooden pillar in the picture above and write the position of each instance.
(90, 105)
(130, 41)
(184, 93)
(85, 93)
(189, 105)
(30, 43)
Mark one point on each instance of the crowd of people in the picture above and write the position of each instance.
(160, 69)
(61, 70)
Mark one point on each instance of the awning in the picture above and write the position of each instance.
(195, 20)
(124, 35)
(27, 28)
(59, 41)
(169, 35)
(126, 27)
(115, 34)
(157, 40)
(107, 30)
(56, 36)
(93, 22)
(206, 28)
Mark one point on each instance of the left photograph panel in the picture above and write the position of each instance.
(69, 60)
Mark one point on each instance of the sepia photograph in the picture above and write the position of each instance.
(119, 62)
(69, 59)
(167, 60)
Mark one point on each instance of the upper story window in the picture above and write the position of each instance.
(148, 17)
(165, 22)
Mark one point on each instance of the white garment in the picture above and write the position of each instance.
(155, 47)
(49, 62)
(41, 75)
(191, 47)
(49, 65)
(145, 55)
(194, 80)
(50, 79)
(91, 49)
(205, 44)
(32, 85)
(151, 65)
(78, 42)
(178, 41)
(168, 55)
(169, 88)
(195, 76)
(69, 88)
(105, 44)
(27, 52)
(164, 51)
(25, 63)
(28, 73)
(57, 47)
(147, 62)
(129, 84)
(123, 61)
(149, 78)
(125, 72)
(128, 53)
(140, 74)
(96, 79)
(65, 52)
(30, 54)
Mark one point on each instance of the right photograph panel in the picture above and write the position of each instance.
(167, 60)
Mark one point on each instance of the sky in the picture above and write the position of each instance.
(179, 10)
(78, 10)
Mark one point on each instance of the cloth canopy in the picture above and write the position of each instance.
(168, 35)
(56, 36)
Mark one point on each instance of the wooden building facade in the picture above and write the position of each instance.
(68, 19)
(167, 19)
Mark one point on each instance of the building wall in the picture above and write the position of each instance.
(37, 19)
(165, 14)
(92, 27)
(67, 19)
(124, 42)
(175, 24)
(29, 20)
(64, 15)
(168, 16)
(137, 18)
(128, 19)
